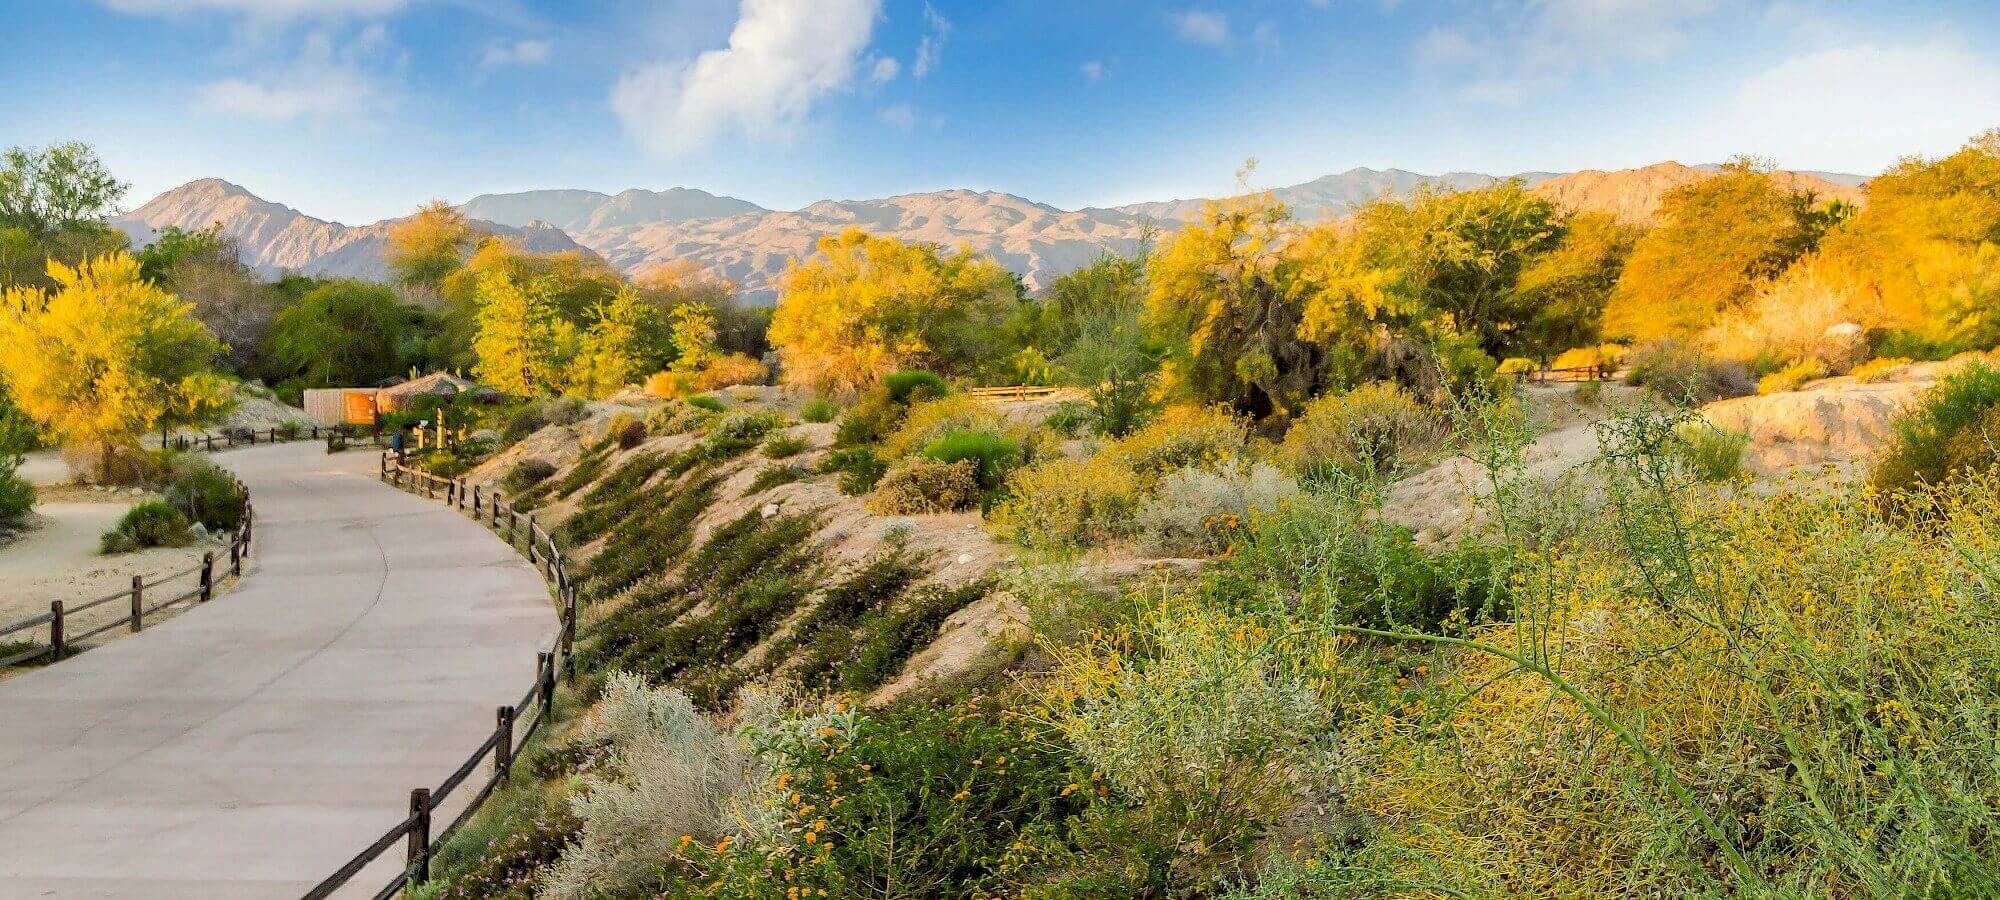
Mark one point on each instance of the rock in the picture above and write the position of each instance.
(485, 435)
(199, 531)
(770, 509)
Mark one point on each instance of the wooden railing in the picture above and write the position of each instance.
(143, 599)
(249, 437)
(513, 725)
(1565, 375)
(1015, 392)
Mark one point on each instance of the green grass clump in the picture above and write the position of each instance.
(914, 385)
(771, 477)
(785, 445)
(860, 468)
(819, 410)
(1712, 453)
(1953, 428)
(526, 474)
(993, 453)
(153, 523)
(704, 401)
(204, 493)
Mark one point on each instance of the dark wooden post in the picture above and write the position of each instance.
(545, 678)
(385, 465)
(249, 526)
(56, 641)
(531, 541)
(475, 501)
(419, 855)
(138, 603)
(207, 576)
(236, 558)
(503, 750)
(493, 505)
(569, 634)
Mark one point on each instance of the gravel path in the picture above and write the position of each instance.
(250, 746)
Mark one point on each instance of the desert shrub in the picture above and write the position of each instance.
(819, 410)
(1807, 312)
(923, 485)
(734, 432)
(860, 469)
(649, 539)
(204, 493)
(933, 419)
(1792, 377)
(781, 446)
(17, 496)
(503, 850)
(824, 635)
(1878, 370)
(916, 800)
(914, 386)
(677, 417)
(1198, 512)
(1951, 428)
(626, 430)
(669, 773)
(704, 401)
(772, 476)
(1680, 372)
(1373, 431)
(723, 371)
(1589, 391)
(870, 419)
(993, 454)
(1516, 365)
(1062, 503)
(539, 414)
(1713, 453)
(150, 524)
(289, 431)
(1070, 418)
(526, 474)
(1180, 437)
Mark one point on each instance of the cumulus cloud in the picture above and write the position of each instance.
(885, 70)
(1861, 106)
(783, 57)
(1093, 70)
(325, 81)
(930, 48)
(901, 115)
(1541, 46)
(528, 52)
(1199, 26)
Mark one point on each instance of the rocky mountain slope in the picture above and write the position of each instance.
(745, 243)
(274, 238)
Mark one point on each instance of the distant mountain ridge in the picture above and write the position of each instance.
(750, 245)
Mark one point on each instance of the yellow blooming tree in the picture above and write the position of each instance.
(866, 306)
(524, 345)
(107, 356)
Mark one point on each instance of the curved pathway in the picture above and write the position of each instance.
(250, 746)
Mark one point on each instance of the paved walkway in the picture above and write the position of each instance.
(250, 746)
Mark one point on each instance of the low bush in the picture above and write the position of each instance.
(204, 493)
(860, 469)
(914, 386)
(1682, 373)
(922, 485)
(677, 417)
(734, 432)
(526, 474)
(1516, 365)
(772, 476)
(1877, 370)
(704, 401)
(1200, 512)
(1071, 418)
(933, 419)
(17, 496)
(150, 524)
(1711, 452)
(1793, 376)
(1180, 437)
(539, 414)
(780, 446)
(1952, 429)
(993, 454)
(626, 430)
(1373, 431)
(1063, 503)
(819, 410)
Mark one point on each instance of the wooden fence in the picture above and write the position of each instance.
(513, 725)
(249, 437)
(1560, 376)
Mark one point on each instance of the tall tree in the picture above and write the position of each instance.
(60, 186)
(430, 245)
(107, 357)
(524, 343)
(341, 334)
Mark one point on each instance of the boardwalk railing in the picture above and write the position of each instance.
(513, 725)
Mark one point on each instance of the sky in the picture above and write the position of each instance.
(357, 110)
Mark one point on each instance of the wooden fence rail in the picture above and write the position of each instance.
(513, 724)
(250, 437)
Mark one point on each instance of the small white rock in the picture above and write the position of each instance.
(770, 509)
(964, 558)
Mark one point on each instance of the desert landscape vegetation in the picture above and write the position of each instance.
(1415, 550)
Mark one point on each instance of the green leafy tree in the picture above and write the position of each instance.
(341, 334)
(61, 186)
(615, 351)
(524, 343)
(693, 328)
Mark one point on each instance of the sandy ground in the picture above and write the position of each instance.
(44, 467)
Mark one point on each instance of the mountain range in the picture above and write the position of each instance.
(750, 245)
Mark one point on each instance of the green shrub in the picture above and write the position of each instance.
(737, 431)
(539, 414)
(993, 454)
(1070, 418)
(17, 496)
(1182, 436)
(1372, 431)
(1711, 452)
(627, 430)
(206, 494)
(1951, 429)
(1682, 373)
(677, 417)
(923, 485)
(772, 476)
(933, 419)
(707, 402)
(526, 474)
(289, 431)
(149, 524)
(914, 386)
(1589, 391)
(1198, 512)
(860, 468)
(819, 410)
(1063, 503)
(781, 446)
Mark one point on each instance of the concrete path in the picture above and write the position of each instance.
(250, 746)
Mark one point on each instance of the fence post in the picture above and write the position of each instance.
(138, 602)
(493, 506)
(503, 751)
(475, 501)
(383, 470)
(249, 525)
(569, 634)
(418, 864)
(56, 642)
(207, 576)
(236, 558)
(531, 541)
(545, 679)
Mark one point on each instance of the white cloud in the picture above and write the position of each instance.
(930, 48)
(783, 57)
(1859, 107)
(516, 53)
(1201, 26)
(1093, 70)
(260, 9)
(323, 82)
(1542, 45)
(900, 115)
(885, 70)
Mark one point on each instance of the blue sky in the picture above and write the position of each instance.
(361, 109)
